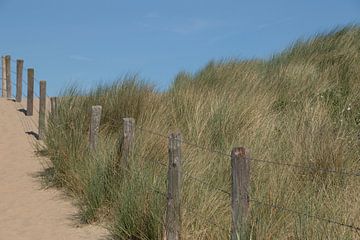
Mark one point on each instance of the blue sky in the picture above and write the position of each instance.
(87, 42)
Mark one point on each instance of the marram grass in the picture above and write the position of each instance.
(300, 107)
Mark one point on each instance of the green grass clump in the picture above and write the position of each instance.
(299, 107)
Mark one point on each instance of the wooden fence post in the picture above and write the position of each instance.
(53, 104)
(240, 171)
(30, 92)
(8, 76)
(3, 82)
(42, 110)
(128, 141)
(94, 126)
(19, 77)
(173, 213)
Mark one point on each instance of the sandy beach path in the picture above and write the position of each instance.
(27, 210)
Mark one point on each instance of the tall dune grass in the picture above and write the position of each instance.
(300, 107)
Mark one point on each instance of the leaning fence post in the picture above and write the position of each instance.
(19, 77)
(240, 170)
(94, 126)
(8, 76)
(173, 217)
(3, 82)
(128, 141)
(30, 92)
(42, 110)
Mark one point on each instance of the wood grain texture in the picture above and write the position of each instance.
(173, 211)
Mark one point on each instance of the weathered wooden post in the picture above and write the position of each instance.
(173, 213)
(3, 82)
(94, 126)
(53, 104)
(8, 76)
(19, 77)
(240, 170)
(128, 141)
(30, 92)
(42, 110)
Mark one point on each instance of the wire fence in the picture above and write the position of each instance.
(36, 80)
(309, 168)
(29, 123)
(252, 199)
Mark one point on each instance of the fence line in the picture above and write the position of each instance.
(31, 92)
(254, 200)
(24, 70)
(274, 206)
(239, 159)
(20, 103)
(354, 174)
(26, 125)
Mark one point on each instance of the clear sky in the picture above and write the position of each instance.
(88, 41)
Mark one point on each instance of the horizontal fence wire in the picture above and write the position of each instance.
(24, 108)
(149, 188)
(199, 180)
(35, 80)
(25, 82)
(207, 220)
(183, 141)
(274, 206)
(325, 170)
(256, 201)
(34, 108)
(284, 209)
(196, 179)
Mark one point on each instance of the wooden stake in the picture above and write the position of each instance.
(19, 77)
(53, 104)
(240, 170)
(8, 76)
(3, 86)
(30, 92)
(42, 110)
(128, 139)
(94, 126)
(173, 213)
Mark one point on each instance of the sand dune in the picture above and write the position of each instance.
(27, 210)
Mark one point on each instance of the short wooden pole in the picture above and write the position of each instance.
(19, 77)
(3, 82)
(240, 170)
(94, 126)
(42, 110)
(173, 212)
(53, 104)
(8, 76)
(30, 92)
(128, 141)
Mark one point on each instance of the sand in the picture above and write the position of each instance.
(28, 210)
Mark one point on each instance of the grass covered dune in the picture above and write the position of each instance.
(300, 107)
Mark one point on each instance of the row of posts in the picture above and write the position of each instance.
(240, 173)
(239, 157)
(7, 91)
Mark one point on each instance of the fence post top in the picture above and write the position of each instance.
(129, 120)
(174, 140)
(96, 107)
(176, 136)
(239, 152)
